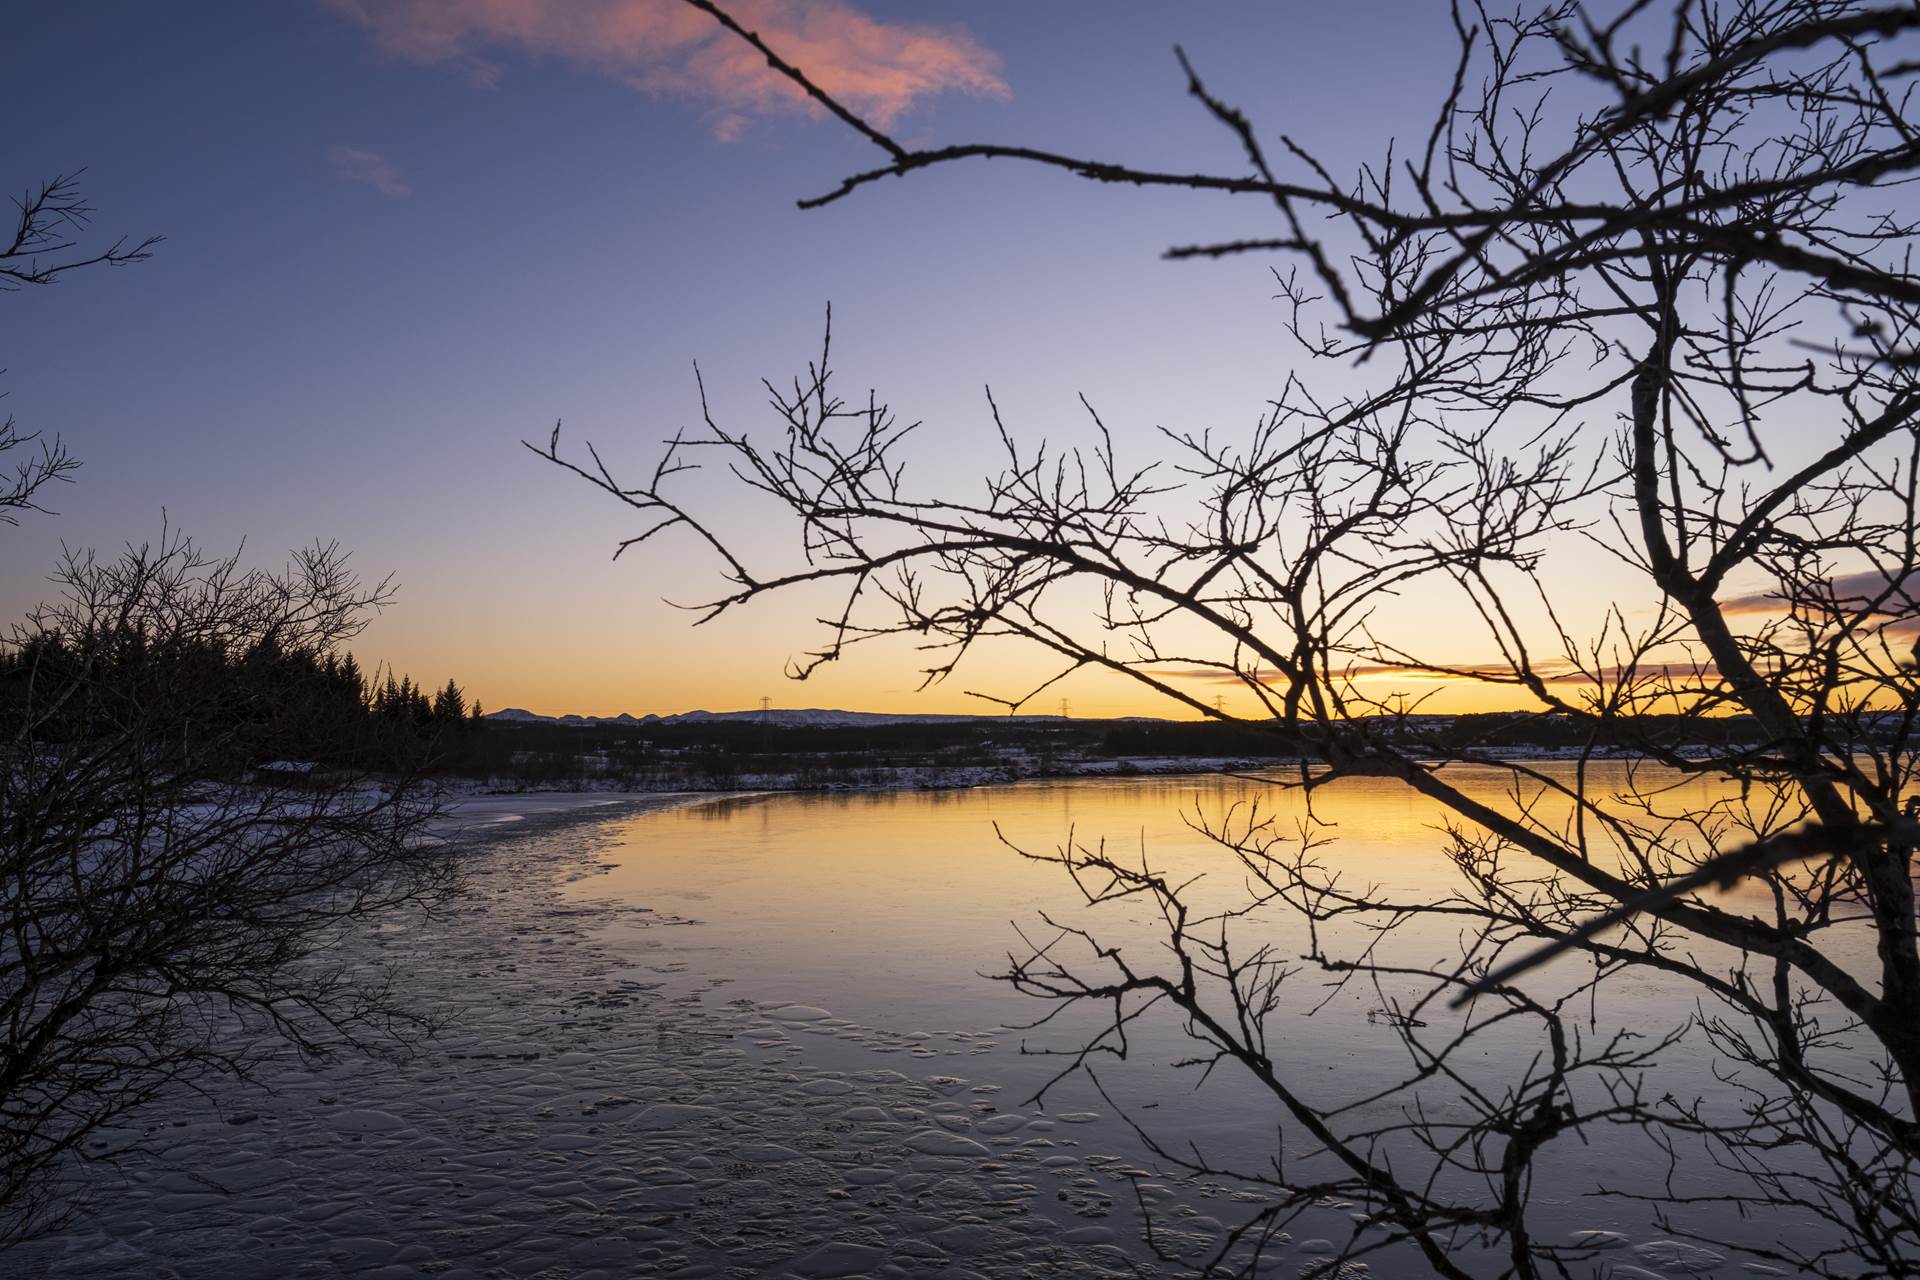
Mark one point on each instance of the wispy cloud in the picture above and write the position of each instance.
(1850, 591)
(1263, 675)
(1469, 672)
(665, 47)
(369, 168)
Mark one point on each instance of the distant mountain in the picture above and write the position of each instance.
(812, 717)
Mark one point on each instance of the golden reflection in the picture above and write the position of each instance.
(855, 891)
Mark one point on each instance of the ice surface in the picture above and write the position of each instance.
(576, 1117)
(587, 1110)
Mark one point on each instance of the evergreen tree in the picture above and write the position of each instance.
(449, 705)
(352, 685)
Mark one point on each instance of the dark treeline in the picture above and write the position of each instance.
(723, 753)
(275, 704)
(1118, 737)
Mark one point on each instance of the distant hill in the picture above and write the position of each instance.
(812, 717)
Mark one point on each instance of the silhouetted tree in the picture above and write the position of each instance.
(350, 683)
(449, 705)
(1642, 282)
(170, 889)
(45, 246)
(388, 702)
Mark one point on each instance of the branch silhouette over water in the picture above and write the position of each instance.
(1639, 286)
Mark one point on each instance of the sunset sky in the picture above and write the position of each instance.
(403, 235)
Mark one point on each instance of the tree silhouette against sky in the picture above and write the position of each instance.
(1640, 283)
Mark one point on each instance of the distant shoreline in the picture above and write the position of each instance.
(847, 751)
(948, 778)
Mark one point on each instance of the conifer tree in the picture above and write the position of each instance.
(351, 682)
(449, 705)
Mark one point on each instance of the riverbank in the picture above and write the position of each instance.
(871, 778)
(749, 753)
(878, 778)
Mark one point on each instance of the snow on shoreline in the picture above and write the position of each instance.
(947, 777)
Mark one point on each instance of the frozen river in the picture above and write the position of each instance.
(751, 1036)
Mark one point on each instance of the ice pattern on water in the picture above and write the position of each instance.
(579, 1117)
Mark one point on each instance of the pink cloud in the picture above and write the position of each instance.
(667, 48)
(369, 168)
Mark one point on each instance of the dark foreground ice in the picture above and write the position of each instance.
(575, 1118)
(593, 1108)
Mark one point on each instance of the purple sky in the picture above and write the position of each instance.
(405, 234)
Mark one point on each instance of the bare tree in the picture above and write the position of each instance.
(168, 909)
(20, 487)
(1640, 288)
(49, 223)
